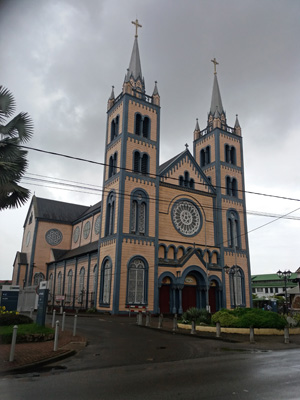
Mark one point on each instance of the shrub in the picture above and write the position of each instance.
(14, 319)
(225, 318)
(196, 314)
(244, 318)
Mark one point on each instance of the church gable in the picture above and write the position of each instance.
(183, 170)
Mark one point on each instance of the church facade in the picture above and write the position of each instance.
(164, 237)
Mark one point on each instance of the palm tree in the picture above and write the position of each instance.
(13, 162)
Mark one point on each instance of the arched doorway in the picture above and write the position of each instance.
(213, 296)
(189, 292)
(164, 296)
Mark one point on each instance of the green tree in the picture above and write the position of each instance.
(13, 161)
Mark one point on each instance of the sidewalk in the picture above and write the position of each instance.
(37, 353)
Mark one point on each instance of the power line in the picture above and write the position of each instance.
(152, 175)
(99, 189)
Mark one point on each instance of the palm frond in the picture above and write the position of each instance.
(7, 103)
(20, 126)
(13, 196)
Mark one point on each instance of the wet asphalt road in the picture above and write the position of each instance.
(123, 361)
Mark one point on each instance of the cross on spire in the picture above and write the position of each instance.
(214, 61)
(137, 25)
(186, 146)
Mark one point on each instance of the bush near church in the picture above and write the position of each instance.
(13, 318)
(247, 317)
(200, 316)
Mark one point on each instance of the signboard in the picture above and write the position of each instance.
(42, 306)
(59, 298)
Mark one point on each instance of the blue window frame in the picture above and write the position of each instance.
(105, 282)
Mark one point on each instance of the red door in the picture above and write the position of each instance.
(189, 297)
(164, 299)
(212, 299)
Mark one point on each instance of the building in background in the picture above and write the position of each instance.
(162, 233)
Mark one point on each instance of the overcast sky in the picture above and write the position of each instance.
(60, 58)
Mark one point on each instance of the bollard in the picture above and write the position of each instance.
(147, 323)
(53, 319)
(252, 335)
(31, 312)
(13, 343)
(175, 327)
(140, 318)
(75, 325)
(137, 318)
(193, 331)
(218, 329)
(286, 335)
(160, 321)
(63, 321)
(56, 336)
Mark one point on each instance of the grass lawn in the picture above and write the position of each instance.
(24, 329)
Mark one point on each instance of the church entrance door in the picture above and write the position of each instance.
(189, 297)
(212, 299)
(164, 299)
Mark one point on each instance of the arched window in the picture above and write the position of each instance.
(114, 128)
(181, 180)
(112, 165)
(137, 282)
(233, 155)
(228, 186)
(231, 187)
(234, 188)
(69, 286)
(236, 277)
(59, 282)
(230, 154)
(39, 277)
(205, 156)
(106, 273)
(95, 279)
(81, 285)
(115, 163)
(144, 167)
(110, 214)
(192, 183)
(233, 230)
(202, 158)
(138, 124)
(140, 163)
(139, 213)
(146, 127)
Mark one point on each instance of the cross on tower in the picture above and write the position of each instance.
(215, 65)
(137, 25)
(186, 146)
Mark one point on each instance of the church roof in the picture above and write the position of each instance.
(166, 164)
(60, 255)
(92, 209)
(216, 101)
(57, 210)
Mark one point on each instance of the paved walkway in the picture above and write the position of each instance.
(31, 354)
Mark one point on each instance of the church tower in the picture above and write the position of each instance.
(129, 221)
(218, 150)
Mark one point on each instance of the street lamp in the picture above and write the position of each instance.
(285, 275)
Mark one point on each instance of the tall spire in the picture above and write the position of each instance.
(134, 72)
(216, 107)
